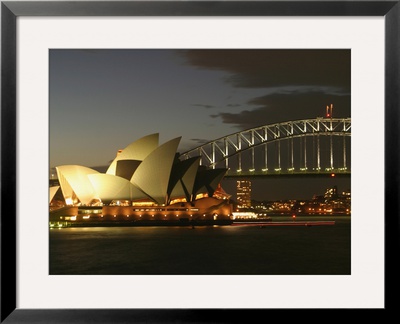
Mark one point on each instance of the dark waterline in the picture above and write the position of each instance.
(207, 250)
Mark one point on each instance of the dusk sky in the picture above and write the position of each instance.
(102, 100)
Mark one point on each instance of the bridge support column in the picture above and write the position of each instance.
(344, 152)
(279, 156)
(226, 153)
(265, 157)
(265, 150)
(201, 157)
(252, 151)
(318, 155)
(305, 152)
(331, 145)
(213, 155)
(291, 156)
(240, 153)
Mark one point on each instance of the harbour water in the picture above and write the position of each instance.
(204, 250)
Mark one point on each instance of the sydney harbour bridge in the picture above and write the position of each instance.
(307, 147)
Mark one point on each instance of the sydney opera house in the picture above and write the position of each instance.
(145, 181)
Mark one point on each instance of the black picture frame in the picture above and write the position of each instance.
(11, 10)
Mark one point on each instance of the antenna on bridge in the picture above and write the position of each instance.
(329, 111)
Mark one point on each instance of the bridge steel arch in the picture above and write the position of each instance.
(335, 131)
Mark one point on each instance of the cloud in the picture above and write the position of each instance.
(199, 140)
(310, 89)
(272, 68)
(282, 107)
(296, 84)
(203, 106)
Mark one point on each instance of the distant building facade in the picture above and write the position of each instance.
(243, 194)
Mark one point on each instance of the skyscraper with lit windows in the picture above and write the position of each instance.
(243, 193)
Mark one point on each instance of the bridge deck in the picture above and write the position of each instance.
(261, 174)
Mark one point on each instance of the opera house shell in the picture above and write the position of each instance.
(145, 181)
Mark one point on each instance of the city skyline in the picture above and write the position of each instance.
(101, 100)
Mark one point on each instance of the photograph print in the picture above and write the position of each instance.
(200, 161)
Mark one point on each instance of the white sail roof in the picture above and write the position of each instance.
(145, 171)
(109, 187)
(152, 175)
(138, 150)
(73, 179)
(52, 192)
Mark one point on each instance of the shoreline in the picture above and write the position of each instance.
(308, 221)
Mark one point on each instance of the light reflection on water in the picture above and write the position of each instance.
(203, 250)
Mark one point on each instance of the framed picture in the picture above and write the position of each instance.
(42, 41)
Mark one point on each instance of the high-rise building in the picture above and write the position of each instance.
(331, 193)
(243, 193)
